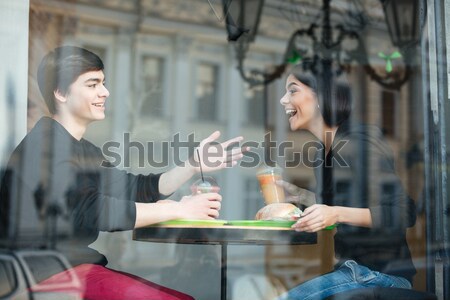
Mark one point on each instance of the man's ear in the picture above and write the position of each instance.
(59, 96)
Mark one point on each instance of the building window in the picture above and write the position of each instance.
(151, 92)
(389, 191)
(388, 113)
(254, 201)
(255, 106)
(343, 192)
(206, 92)
(99, 51)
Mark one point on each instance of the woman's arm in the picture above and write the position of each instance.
(319, 216)
(354, 216)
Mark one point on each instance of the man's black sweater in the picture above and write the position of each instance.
(60, 192)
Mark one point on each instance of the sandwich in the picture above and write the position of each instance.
(279, 211)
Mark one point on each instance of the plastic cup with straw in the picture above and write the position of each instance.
(206, 184)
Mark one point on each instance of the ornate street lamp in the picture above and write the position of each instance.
(402, 16)
(242, 16)
(242, 21)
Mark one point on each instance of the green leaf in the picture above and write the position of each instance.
(396, 54)
(382, 55)
(388, 66)
(295, 58)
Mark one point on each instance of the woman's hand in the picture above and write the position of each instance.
(316, 217)
(201, 206)
(297, 195)
(215, 156)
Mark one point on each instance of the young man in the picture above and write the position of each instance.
(60, 185)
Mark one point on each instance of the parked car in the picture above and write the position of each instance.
(23, 274)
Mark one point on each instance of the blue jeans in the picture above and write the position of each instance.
(348, 276)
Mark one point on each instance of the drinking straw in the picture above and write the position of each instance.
(200, 164)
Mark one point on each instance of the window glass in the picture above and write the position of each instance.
(8, 281)
(44, 266)
(388, 113)
(254, 99)
(173, 78)
(151, 99)
(206, 92)
(254, 200)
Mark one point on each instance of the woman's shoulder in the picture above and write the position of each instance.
(364, 138)
(363, 131)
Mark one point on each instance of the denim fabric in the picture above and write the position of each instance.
(348, 276)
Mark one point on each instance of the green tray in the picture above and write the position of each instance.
(261, 223)
(193, 222)
(268, 223)
(250, 223)
(330, 227)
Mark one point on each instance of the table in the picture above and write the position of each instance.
(223, 235)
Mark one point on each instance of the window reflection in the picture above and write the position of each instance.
(206, 92)
(151, 96)
(253, 201)
(388, 113)
(255, 106)
(140, 70)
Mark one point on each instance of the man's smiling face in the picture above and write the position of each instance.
(86, 98)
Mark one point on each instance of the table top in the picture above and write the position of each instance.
(219, 234)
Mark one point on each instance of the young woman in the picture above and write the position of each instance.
(370, 241)
(62, 191)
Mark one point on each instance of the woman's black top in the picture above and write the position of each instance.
(359, 172)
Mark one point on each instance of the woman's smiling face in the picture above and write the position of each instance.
(301, 104)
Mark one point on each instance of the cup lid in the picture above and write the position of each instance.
(268, 170)
(208, 182)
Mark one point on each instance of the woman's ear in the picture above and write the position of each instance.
(59, 96)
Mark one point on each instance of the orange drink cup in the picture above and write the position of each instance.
(272, 192)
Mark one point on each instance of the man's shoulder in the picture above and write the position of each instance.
(34, 136)
(44, 139)
(89, 146)
(44, 127)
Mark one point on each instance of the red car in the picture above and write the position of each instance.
(22, 275)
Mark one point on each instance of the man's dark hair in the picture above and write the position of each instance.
(61, 67)
(335, 109)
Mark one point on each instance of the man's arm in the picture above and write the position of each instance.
(202, 206)
(171, 180)
(214, 156)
